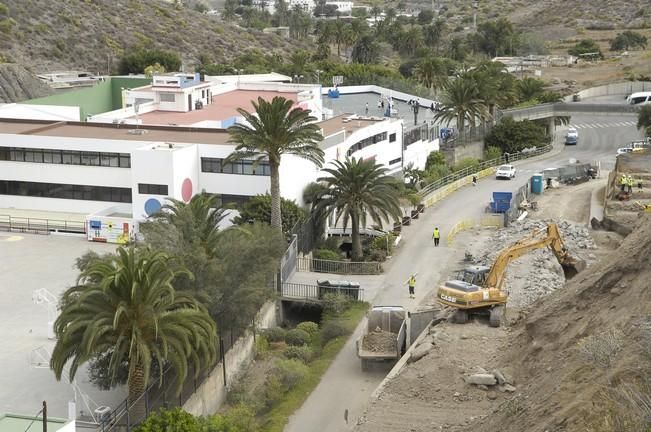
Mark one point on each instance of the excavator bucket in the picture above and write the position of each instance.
(572, 266)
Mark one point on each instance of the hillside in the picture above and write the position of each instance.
(581, 357)
(46, 35)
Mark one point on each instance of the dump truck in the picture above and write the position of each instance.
(478, 289)
(385, 336)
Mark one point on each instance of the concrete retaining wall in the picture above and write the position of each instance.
(455, 154)
(212, 393)
(623, 88)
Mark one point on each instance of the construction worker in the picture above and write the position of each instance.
(630, 183)
(474, 180)
(412, 286)
(622, 182)
(436, 235)
(639, 184)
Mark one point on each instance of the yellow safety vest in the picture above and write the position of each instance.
(436, 234)
(412, 281)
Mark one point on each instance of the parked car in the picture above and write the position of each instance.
(623, 150)
(505, 171)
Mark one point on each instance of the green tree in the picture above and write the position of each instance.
(425, 17)
(529, 88)
(586, 46)
(431, 72)
(126, 304)
(354, 189)
(365, 50)
(628, 40)
(461, 102)
(258, 209)
(513, 136)
(495, 38)
(644, 119)
(434, 158)
(138, 60)
(229, 11)
(171, 420)
(433, 33)
(274, 130)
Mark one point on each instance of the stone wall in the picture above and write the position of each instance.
(212, 393)
(454, 154)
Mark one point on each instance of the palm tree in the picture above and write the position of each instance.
(354, 189)
(276, 129)
(125, 304)
(461, 101)
(432, 73)
(529, 88)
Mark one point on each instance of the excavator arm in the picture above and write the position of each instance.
(552, 239)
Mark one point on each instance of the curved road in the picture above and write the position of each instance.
(344, 387)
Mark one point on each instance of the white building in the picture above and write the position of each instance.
(342, 6)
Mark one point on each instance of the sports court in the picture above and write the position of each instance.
(28, 263)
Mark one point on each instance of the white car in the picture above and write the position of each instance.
(505, 171)
(623, 150)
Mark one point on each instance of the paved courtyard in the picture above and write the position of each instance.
(28, 263)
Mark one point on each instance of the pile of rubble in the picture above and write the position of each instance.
(537, 273)
(379, 341)
(485, 380)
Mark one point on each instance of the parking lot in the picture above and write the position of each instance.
(29, 263)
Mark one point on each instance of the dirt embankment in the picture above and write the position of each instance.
(578, 357)
(17, 84)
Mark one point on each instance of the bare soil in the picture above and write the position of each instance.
(557, 389)
(569, 202)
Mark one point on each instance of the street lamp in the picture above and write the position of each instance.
(298, 78)
(414, 108)
(318, 75)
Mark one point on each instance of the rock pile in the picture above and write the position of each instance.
(484, 380)
(538, 272)
(379, 341)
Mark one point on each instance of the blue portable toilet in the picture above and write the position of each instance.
(537, 183)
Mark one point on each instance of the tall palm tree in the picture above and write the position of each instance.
(461, 101)
(354, 189)
(529, 88)
(276, 129)
(432, 73)
(125, 304)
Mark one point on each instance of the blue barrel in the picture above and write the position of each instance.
(537, 184)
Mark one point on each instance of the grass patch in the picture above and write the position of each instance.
(276, 419)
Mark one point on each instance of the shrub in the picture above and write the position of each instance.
(258, 208)
(331, 330)
(169, 420)
(240, 418)
(335, 303)
(137, 61)
(332, 243)
(303, 353)
(326, 254)
(261, 347)
(297, 337)
(274, 334)
(380, 243)
(290, 372)
(309, 327)
(492, 153)
(434, 158)
(471, 163)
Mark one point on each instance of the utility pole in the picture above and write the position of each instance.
(44, 416)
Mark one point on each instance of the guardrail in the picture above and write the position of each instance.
(315, 292)
(564, 108)
(36, 225)
(483, 170)
(339, 267)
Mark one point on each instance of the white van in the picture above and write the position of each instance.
(640, 98)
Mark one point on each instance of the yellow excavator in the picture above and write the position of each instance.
(478, 289)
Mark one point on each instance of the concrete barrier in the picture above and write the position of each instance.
(458, 227)
(621, 88)
(211, 394)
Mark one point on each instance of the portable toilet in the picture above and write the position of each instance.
(537, 184)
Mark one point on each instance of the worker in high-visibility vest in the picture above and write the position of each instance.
(436, 235)
(412, 286)
(623, 182)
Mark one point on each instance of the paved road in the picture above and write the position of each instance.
(344, 386)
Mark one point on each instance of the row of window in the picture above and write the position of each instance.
(216, 165)
(367, 142)
(65, 157)
(66, 191)
(152, 189)
(395, 161)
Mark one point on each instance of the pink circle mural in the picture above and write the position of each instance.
(186, 190)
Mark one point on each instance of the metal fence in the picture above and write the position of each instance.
(466, 136)
(458, 175)
(307, 232)
(37, 225)
(339, 267)
(288, 261)
(296, 291)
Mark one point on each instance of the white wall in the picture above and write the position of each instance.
(295, 174)
(152, 167)
(39, 112)
(52, 204)
(417, 152)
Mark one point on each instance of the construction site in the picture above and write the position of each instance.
(568, 351)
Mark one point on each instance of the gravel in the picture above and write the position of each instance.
(379, 341)
(537, 273)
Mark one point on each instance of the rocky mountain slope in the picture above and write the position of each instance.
(17, 84)
(45, 35)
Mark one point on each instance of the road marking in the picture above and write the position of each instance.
(10, 238)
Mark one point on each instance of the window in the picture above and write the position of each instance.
(392, 137)
(245, 167)
(367, 142)
(66, 157)
(395, 161)
(167, 97)
(65, 191)
(152, 189)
